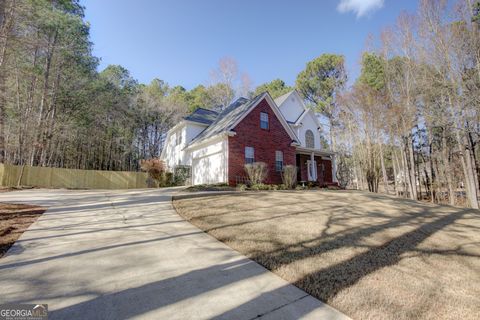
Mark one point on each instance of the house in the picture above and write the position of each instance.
(217, 145)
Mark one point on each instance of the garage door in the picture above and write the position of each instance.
(209, 169)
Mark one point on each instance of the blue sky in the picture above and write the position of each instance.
(181, 41)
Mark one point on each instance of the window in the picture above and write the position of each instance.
(309, 139)
(179, 138)
(278, 160)
(249, 155)
(264, 120)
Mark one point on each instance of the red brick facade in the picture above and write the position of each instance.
(264, 141)
(324, 169)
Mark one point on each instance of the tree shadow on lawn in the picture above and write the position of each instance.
(401, 232)
(324, 284)
(328, 282)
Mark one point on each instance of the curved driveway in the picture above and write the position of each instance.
(127, 254)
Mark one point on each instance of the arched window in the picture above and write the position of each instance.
(309, 139)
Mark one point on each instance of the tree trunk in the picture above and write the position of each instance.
(447, 170)
(384, 170)
(432, 171)
(406, 169)
(395, 172)
(2, 115)
(411, 159)
(43, 101)
(7, 9)
(469, 174)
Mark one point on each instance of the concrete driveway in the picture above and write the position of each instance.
(127, 254)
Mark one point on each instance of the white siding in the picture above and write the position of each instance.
(291, 108)
(209, 163)
(309, 123)
(173, 154)
(193, 130)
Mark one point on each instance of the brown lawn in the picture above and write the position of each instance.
(14, 220)
(370, 256)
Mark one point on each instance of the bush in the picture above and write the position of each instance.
(241, 187)
(289, 176)
(282, 187)
(155, 168)
(181, 175)
(210, 187)
(260, 186)
(257, 172)
(167, 180)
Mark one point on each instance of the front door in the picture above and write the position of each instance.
(312, 170)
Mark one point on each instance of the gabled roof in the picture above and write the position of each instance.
(226, 118)
(300, 117)
(306, 110)
(283, 98)
(230, 116)
(202, 115)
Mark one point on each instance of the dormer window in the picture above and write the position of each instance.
(309, 139)
(264, 120)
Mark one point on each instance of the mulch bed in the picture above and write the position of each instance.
(14, 220)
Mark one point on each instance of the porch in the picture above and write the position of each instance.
(315, 166)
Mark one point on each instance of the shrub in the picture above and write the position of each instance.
(181, 175)
(241, 187)
(282, 187)
(167, 180)
(210, 187)
(155, 168)
(260, 186)
(257, 172)
(289, 176)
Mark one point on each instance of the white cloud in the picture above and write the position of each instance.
(360, 7)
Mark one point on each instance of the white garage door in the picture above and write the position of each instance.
(209, 169)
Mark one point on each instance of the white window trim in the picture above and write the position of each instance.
(278, 158)
(178, 138)
(264, 119)
(313, 139)
(247, 153)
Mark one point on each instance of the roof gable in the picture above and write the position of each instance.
(283, 98)
(225, 119)
(235, 113)
(291, 105)
(277, 112)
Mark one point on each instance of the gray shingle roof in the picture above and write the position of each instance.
(227, 117)
(202, 115)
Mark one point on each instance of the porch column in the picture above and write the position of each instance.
(314, 167)
(334, 169)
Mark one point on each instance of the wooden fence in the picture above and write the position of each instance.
(44, 177)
